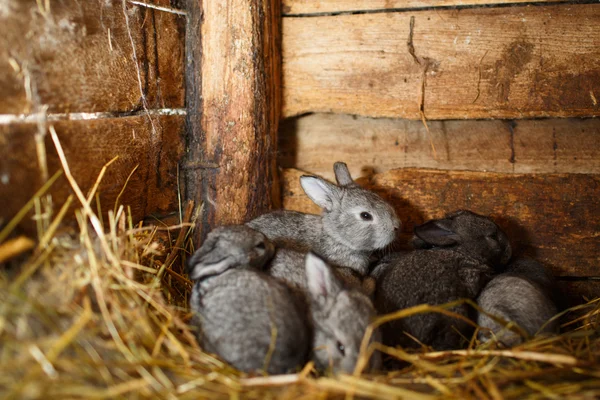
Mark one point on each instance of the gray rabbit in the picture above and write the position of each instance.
(454, 261)
(354, 223)
(247, 317)
(238, 307)
(288, 265)
(523, 294)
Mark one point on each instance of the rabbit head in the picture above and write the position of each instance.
(356, 217)
(340, 318)
(227, 247)
(470, 234)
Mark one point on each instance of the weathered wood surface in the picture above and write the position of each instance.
(368, 145)
(506, 62)
(233, 109)
(551, 217)
(77, 56)
(151, 188)
(294, 7)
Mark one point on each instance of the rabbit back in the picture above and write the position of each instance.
(515, 298)
(434, 277)
(251, 320)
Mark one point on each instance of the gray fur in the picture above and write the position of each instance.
(458, 267)
(522, 295)
(237, 309)
(288, 265)
(340, 317)
(241, 310)
(340, 234)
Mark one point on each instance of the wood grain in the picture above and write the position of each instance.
(507, 62)
(152, 187)
(551, 217)
(336, 6)
(78, 57)
(233, 109)
(369, 145)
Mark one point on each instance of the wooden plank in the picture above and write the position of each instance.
(294, 7)
(551, 217)
(507, 62)
(233, 109)
(152, 187)
(78, 57)
(368, 145)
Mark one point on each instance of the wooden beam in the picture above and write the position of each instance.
(370, 145)
(233, 109)
(151, 149)
(507, 62)
(90, 56)
(551, 217)
(307, 7)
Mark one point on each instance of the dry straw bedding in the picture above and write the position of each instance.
(101, 312)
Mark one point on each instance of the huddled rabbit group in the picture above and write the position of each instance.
(289, 287)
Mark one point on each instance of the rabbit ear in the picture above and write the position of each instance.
(205, 269)
(342, 174)
(437, 232)
(321, 192)
(322, 284)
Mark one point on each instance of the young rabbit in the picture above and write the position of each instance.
(248, 318)
(238, 307)
(288, 265)
(523, 295)
(354, 223)
(340, 317)
(463, 248)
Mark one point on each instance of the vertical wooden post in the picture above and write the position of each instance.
(233, 107)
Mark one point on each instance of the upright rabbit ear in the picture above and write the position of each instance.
(321, 192)
(322, 284)
(437, 232)
(342, 174)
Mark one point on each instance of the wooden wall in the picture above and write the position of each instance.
(109, 76)
(487, 105)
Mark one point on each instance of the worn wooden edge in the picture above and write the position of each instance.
(90, 57)
(476, 63)
(550, 217)
(145, 171)
(375, 145)
(309, 7)
(233, 109)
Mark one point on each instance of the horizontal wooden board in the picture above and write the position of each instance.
(156, 153)
(507, 62)
(551, 217)
(294, 7)
(368, 145)
(77, 56)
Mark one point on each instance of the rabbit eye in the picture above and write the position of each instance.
(366, 216)
(261, 246)
(341, 348)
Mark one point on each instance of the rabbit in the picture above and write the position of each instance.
(463, 247)
(248, 318)
(233, 295)
(289, 265)
(340, 317)
(523, 294)
(354, 223)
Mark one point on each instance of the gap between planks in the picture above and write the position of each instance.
(449, 5)
(7, 119)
